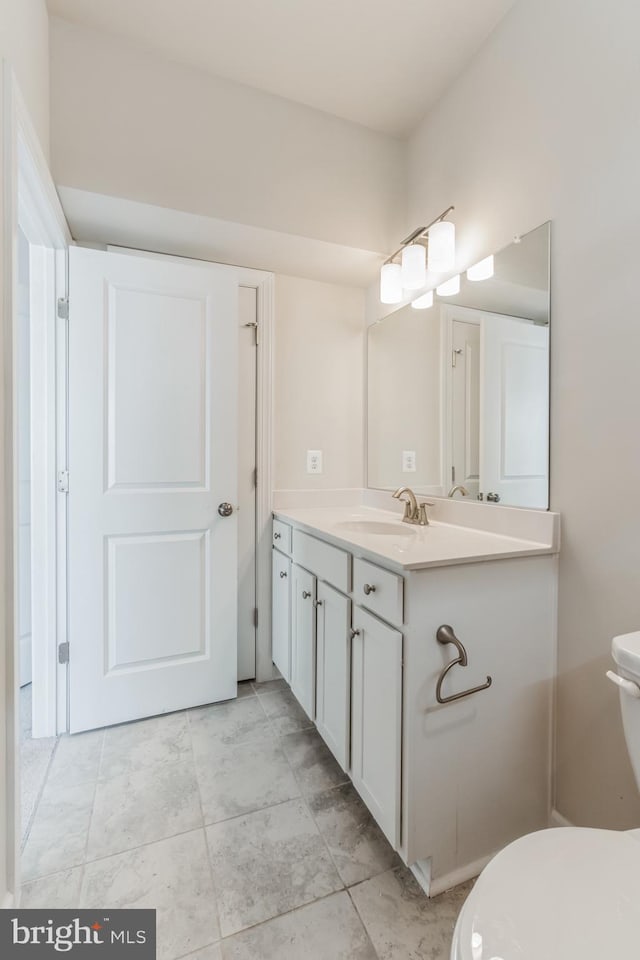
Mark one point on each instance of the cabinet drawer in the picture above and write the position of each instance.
(281, 536)
(379, 590)
(326, 561)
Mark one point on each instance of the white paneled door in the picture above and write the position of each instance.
(153, 396)
(514, 423)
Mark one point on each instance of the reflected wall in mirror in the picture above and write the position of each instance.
(459, 393)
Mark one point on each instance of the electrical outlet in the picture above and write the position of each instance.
(314, 461)
(408, 461)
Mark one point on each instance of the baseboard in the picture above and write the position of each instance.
(557, 820)
(433, 886)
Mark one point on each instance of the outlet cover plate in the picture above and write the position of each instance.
(408, 461)
(314, 461)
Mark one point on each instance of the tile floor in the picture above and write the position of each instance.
(235, 822)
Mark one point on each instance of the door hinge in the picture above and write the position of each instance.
(256, 330)
(63, 481)
(63, 652)
(453, 474)
(255, 616)
(63, 308)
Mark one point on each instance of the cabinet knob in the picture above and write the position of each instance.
(317, 603)
(354, 633)
(305, 594)
(277, 536)
(283, 574)
(369, 588)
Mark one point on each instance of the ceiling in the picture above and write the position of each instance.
(380, 63)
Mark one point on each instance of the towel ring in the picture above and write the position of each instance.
(445, 635)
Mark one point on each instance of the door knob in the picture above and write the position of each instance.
(305, 594)
(225, 509)
(283, 574)
(369, 588)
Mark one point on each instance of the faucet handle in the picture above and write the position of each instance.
(423, 517)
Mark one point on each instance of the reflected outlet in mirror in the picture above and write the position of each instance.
(463, 386)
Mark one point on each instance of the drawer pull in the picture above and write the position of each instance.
(277, 536)
(305, 594)
(354, 634)
(283, 574)
(369, 588)
(445, 635)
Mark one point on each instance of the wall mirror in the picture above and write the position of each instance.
(459, 393)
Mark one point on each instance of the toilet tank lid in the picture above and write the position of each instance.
(625, 650)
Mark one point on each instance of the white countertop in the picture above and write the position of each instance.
(414, 547)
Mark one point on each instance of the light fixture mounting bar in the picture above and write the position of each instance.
(419, 234)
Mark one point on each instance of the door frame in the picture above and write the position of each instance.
(28, 197)
(448, 313)
(263, 282)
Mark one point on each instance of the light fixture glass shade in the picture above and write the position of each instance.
(442, 246)
(390, 283)
(423, 302)
(481, 270)
(450, 287)
(414, 266)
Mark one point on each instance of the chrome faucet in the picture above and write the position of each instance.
(414, 512)
(458, 486)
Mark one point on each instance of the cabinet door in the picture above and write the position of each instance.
(376, 719)
(303, 638)
(333, 696)
(281, 615)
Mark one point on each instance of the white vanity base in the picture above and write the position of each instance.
(421, 870)
(356, 620)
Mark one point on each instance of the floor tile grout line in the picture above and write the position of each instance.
(361, 918)
(93, 806)
(285, 913)
(40, 793)
(118, 853)
(204, 832)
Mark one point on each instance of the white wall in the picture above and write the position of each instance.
(130, 123)
(24, 462)
(24, 42)
(318, 383)
(544, 124)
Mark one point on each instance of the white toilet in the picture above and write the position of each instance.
(571, 893)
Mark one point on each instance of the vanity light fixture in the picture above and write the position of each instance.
(414, 266)
(391, 283)
(450, 287)
(482, 270)
(423, 302)
(442, 246)
(432, 246)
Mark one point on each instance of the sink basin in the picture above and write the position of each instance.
(378, 527)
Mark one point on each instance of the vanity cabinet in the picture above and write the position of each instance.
(451, 767)
(376, 722)
(281, 614)
(303, 638)
(333, 680)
